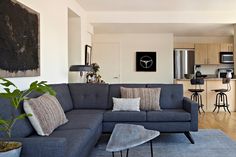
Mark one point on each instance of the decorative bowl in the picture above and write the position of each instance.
(188, 76)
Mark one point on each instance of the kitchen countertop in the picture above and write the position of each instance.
(210, 79)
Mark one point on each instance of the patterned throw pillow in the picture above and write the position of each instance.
(150, 97)
(47, 114)
(126, 104)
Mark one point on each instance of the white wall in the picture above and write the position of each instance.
(74, 49)
(54, 39)
(203, 39)
(235, 47)
(130, 43)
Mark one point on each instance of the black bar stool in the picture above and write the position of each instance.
(221, 97)
(196, 96)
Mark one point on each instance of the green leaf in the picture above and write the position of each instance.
(23, 116)
(33, 85)
(7, 83)
(5, 95)
(3, 122)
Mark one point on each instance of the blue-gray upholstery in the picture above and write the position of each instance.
(89, 96)
(171, 95)
(22, 128)
(191, 107)
(43, 146)
(63, 96)
(82, 121)
(160, 126)
(169, 115)
(124, 116)
(88, 109)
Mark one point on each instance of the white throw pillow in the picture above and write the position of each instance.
(126, 104)
(47, 114)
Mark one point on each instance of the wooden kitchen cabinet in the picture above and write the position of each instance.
(213, 51)
(200, 53)
(209, 96)
(207, 53)
(226, 47)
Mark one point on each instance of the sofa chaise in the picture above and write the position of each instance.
(88, 109)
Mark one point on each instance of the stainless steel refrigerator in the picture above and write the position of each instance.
(183, 62)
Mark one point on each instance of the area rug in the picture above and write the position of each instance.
(208, 143)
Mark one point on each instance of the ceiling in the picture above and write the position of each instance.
(178, 29)
(158, 5)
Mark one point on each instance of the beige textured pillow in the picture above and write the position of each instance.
(150, 97)
(47, 114)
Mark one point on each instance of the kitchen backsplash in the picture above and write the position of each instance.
(212, 69)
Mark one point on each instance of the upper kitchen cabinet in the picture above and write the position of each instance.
(213, 51)
(207, 53)
(226, 47)
(200, 53)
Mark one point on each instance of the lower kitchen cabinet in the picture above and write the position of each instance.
(209, 96)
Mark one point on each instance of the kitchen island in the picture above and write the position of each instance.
(209, 96)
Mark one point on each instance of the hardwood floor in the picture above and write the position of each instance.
(223, 121)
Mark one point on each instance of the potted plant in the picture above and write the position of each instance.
(11, 92)
(94, 76)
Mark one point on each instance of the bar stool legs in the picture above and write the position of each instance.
(221, 101)
(198, 98)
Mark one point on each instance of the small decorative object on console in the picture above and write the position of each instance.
(94, 76)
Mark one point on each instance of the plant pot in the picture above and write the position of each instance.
(13, 152)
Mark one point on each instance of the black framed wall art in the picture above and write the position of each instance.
(19, 40)
(88, 54)
(146, 61)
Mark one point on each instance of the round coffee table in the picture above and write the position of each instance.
(126, 136)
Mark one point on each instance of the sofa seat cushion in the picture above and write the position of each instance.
(76, 139)
(86, 111)
(82, 121)
(168, 115)
(124, 116)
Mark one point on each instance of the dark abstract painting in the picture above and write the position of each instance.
(19, 40)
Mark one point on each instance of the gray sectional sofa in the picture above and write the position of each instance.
(88, 109)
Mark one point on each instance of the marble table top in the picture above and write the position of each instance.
(125, 136)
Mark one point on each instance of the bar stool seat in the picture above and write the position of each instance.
(220, 90)
(196, 96)
(221, 97)
(196, 90)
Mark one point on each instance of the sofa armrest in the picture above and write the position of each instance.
(42, 146)
(191, 107)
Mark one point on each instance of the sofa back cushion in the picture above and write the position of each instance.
(171, 95)
(22, 128)
(114, 91)
(63, 96)
(89, 96)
